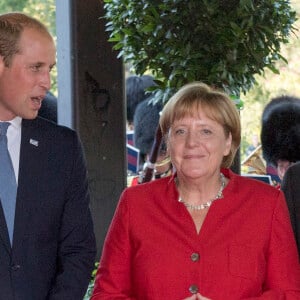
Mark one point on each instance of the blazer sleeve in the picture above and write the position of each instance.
(77, 246)
(283, 268)
(113, 275)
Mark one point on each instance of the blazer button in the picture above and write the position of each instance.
(195, 257)
(15, 267)
(193, 289)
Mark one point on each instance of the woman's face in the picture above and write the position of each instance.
(197, 145)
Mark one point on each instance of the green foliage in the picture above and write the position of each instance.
(223, 43)
(43, 10)
(272, 85)
(255, 101)
(12, 5)
(91, 284)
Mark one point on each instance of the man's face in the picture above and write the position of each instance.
(25, 82)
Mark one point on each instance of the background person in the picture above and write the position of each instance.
(136, 91)
(47, 244)
(291, 188)
(254, 144)
(280, 133)
(204, 232)
(146, 120)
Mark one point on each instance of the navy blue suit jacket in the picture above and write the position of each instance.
(291, 187)
(53, 248)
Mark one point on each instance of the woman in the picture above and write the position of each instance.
(204, 232)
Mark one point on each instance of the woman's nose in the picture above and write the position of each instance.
(192, 138)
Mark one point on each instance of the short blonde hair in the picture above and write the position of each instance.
(217, 106)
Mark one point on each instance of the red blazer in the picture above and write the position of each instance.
(245, 249)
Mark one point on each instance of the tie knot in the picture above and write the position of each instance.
(3, 127)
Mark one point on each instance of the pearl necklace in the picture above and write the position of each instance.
(208, 203)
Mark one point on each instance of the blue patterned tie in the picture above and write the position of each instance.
(8, 184)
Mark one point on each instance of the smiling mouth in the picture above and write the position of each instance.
(193, 156)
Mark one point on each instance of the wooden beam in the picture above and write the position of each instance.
(98, 109)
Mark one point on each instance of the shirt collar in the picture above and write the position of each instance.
(16, 122)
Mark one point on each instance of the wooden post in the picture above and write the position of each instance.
(98, 110)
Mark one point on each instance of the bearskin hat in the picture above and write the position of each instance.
(280, 134)
(136, 92)
(146, 119)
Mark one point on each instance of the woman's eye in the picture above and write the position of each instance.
(179, 131)
(206, 132)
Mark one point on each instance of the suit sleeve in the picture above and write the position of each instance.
(113, 275)
(77, 248)
(283, 268)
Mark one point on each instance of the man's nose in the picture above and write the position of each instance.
(45, 80)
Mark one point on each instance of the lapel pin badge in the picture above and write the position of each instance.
(34, 142)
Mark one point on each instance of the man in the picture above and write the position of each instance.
(146, 121)
(291, 188)
(280, 133)
(136, 92)
(48, 251)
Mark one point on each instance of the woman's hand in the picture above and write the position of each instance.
(197, 297)
(200, 297)
(194, 297)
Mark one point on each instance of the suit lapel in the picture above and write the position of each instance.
(4, 232)
(28, 182)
